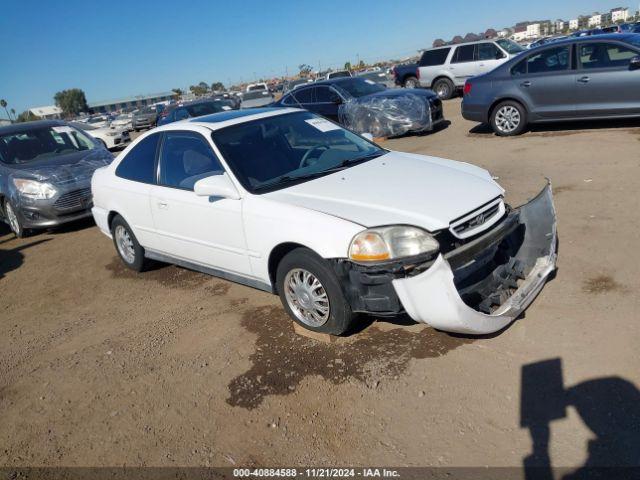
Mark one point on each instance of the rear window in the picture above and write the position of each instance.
(431, 58)
(199, 109)
(140, 163)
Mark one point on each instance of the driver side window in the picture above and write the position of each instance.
(185, 158)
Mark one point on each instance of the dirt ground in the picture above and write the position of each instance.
(101, 366)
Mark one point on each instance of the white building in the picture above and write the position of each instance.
(560, 25)
(533, 30)
(47, 113)
(574, 24)
(519, 36)
(595, 20)
(619, 14)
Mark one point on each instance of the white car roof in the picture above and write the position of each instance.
(216, 121)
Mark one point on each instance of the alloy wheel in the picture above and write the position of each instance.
(507, 119)
(125, 244)
(306, 297)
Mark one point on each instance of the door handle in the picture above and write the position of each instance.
(163, 205)
(526, 84)
(583, 79)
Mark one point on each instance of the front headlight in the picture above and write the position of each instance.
(390, 243)
(34, 189)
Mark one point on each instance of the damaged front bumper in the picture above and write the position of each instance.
(527, 257)
(475, 286)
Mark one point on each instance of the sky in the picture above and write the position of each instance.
(113, 49)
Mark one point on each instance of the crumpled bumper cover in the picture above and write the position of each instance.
(432, 297)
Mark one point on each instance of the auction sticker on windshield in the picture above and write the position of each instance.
(322, 124)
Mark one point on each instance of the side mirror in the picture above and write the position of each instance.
(216, 186)
(634, 64)
(337, 100)
(500, 55)
(368, 136)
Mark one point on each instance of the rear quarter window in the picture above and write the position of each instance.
(431, 58)
(140, 163)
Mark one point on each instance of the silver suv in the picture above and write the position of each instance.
(445, 69)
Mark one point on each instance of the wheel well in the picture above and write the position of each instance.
(497, 102)
(442, 77)
(275, 256)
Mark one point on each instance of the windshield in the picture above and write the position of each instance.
(257, 87)
(510, 46)
(44, 142)
(358, 87)
(84, 126)
(341, 74)
(276, 152)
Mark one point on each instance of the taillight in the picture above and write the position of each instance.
(467, 87)
(418, 73)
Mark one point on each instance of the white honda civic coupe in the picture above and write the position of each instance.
(285, 201)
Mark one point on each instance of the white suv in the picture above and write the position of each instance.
(445, 69)
(288, 202)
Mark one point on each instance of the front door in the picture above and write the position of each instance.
(489, 57)
(546, 81)
(605, 83)
(202, 230)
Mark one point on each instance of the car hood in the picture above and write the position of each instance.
(397, 188)
(63, 169)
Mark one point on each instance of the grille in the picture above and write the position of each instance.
(77, 199)
(478, 220)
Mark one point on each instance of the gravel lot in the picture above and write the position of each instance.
(101, 366)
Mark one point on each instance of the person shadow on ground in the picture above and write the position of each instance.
(609, 406)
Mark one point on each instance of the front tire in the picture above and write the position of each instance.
(509, 118)
(411, 82)
(444, 88)
(15, 224)
(311, 294)
(127, 246)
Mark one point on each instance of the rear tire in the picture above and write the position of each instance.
(444, 88)
(127, 246)
(508, 118)
(311, 294)
(13, 220)
(411, 82)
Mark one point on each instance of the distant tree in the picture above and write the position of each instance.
(457, 39)
(13, 113)
(27, 116)
(217, 86)
(304, 69)
(438, 42)
(3, 104)
(177, 91)
(347, 65)
(199, 90)
(72, 101)
(204, 85)
(361, 64)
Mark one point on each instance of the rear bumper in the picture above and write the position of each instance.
(434, 296)
(474, 113)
